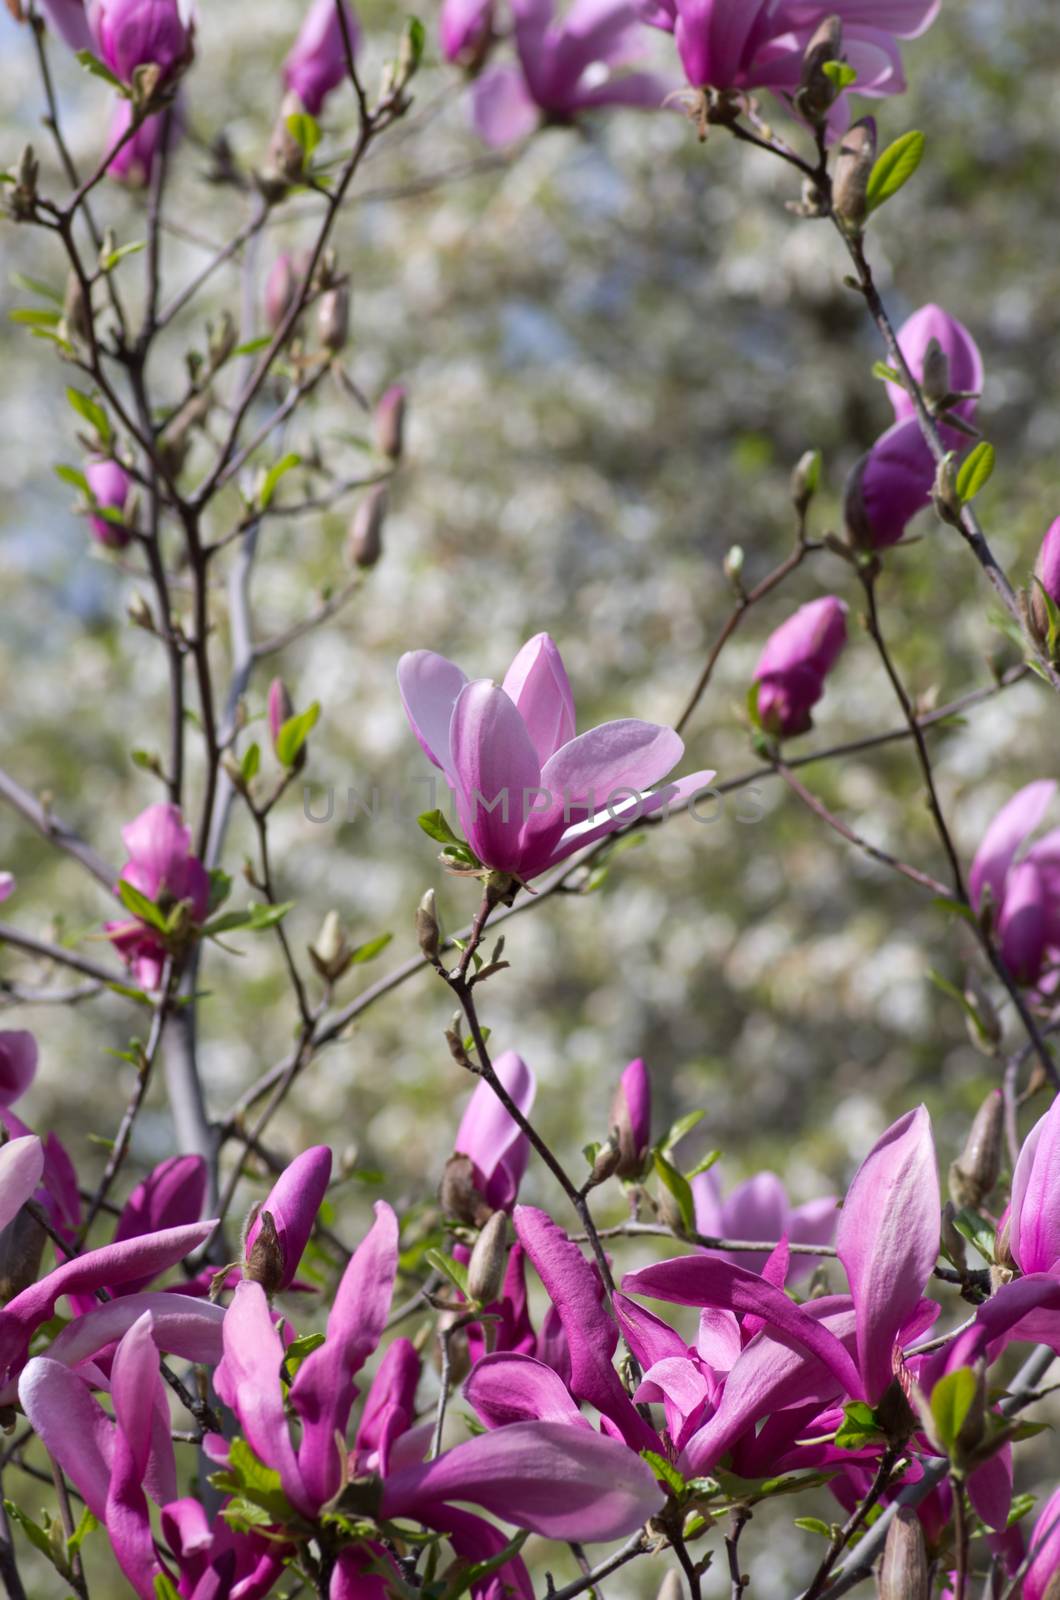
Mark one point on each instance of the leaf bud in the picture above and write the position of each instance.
(976, 1171)
(21, 1247)
(953, 1241)
(265, 1262)
(671, 1587)
(984, 1029)
(331, 953)
(333, 317)
(904, 1571)
(458, 1195)
(489, 1258)
(853, 168)
(428, 932)
(944, 494)
(285, 158)
(365, 544)
(76, 323)
(804, 480)
(817, 92)
(389, 422)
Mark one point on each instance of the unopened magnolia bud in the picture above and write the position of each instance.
(953, 1241)
(331, 953)
(265, 1263)
(485, 1272)
(458, 1196)
(428, 933)
(606, 1163)
(366, 530)
(671, 1587)
(976, 1171)
(280, 708)
(333, 318)
(804, 480)
(816, 91)
(21, 1247)
(76, 324)
(732, 566)
(285, 158)
(944, 494)
(24, 193)
(985, 1029)
(935, 381)
(853, 166)
(389, 423)
(904, 1571)
(139, 613)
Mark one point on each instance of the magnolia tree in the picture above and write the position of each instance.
(186, 1397)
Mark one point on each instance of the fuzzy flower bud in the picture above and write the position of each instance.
(365, 544)
(904, 1573)
(76, 322)
(816, 91)
(804, 480)
(792, 668)
(285, 158)
(389, 422)
(631, 1119)
(428, 933)
(853, 167)
(278, 1233)
(1047, 577)
(281, 289)
(489, 1258)
(976, 1171)
(331, 953)
(333, 317)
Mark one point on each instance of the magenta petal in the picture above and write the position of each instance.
(21, 1166)
(648, 1336)
(931, 322)
(429, 686)
(293, 1203)
(248, 1380)
(487, 1134)
(703, 1280)
(497, 773)
(1044, 1552)
(635, 1086)
(559, 1481)
(1024, 921)
(96, 1269)
(502, 110)
(1010, 829)
(135, 1383)
(182, 1325)
(172, 1194)
(18, 1063)
(610, 760)
(324, 1390)
(474, 1539)
(888, 1240)
(72, 1425)
(1035, 1210)
(575, 1290)
(390, 1404)
(505, 1388)
(990, 1489)
(538, 686)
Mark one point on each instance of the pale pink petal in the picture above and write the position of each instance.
(537, 684)
(21, 1166)
(429, 686)
(495, 766)
(1010, 829)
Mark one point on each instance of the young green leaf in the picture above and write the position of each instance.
(951, 1400)
(94, 65)
(841, 73)
(370, 949)
(680, 1189)
(975, 471)
(143, 909)
(305, 131)
(894, 168)
(273, 476)
(92, 412)
(294, 733)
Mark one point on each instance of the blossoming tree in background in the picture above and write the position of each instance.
(468, 1403)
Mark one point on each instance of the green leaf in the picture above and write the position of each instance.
(305, 131)
(273, 476)
(975, 471)
(841, 73)
(946, 987)
(252, 346)
(254, 1481)
(887, 374)
(679, 1128)
(894, 168)
(704, 1164)
(752, 706)
(951, 1400)
(35, 317)
(220, 888)
(36, 1535)
(435, 826)
(251, 762)
(92, 412)
(141, 907)
(371, 948)
(115, 257)
(858, 1428)
(255, 919)
(814, 1525)
(294, 733)
(466, 1577)
(74, 477)
(298, 1349)
(453, 1270)
(36, 286)
(1052, 611)
(956, 908)
(94, 65)
(663, 1469)
(415, 41)
(678, 1187)
(977, 1230)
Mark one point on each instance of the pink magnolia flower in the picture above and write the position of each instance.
(759, 1209)
(292, 1205)
(566, 66)
(1024, 883)
(21, 1166)
(794, 664)
(760, 44)
(162, 867)
(1034, 1213)
(110, 485)
(464, 28)
(135, 161)
(135, 33)
(1039, 1581)
(520, 775)
(317, 62)
(67, 18)
(498, 1151)
(1047, 577)
(894, 480)
(58, 1194)
(18, 1063)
